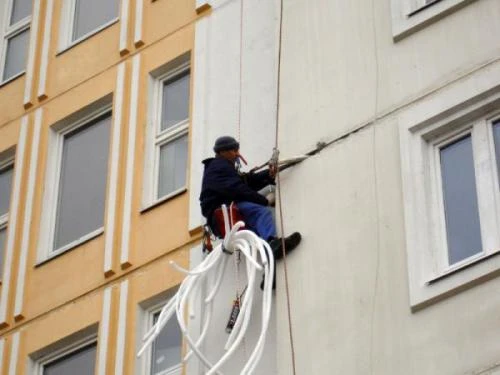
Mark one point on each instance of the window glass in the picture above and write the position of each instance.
(82, 186)
(20, 9)
(496, 136)
(5, 189)
(175, 106)
(173, 164)
(92, 14)
(80, 362)
(166, 349)
(3, 236)
(17, 49)
(460, 200)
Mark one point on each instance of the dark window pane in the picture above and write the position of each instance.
(82, 188)
(20, 9)
(175, 106)
(3, 236)
(173, 164)
(166, 349)
(5, 189)
(92, 14)
(17, 49)
(496, 136)
(460, 200)
(80, 362)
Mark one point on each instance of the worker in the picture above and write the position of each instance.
(223, 184)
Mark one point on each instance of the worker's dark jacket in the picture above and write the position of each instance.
(222, 184)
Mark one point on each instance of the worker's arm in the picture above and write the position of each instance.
(226, 182)
(259, 180)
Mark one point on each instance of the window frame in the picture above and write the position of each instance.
(39, 364)
(147, 323)
(67, 27)
(156, 138)
(6, 163)
(46, 249)
(430, 276)
(8, 32)
(409, 16)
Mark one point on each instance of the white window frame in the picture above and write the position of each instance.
(68, 23)
(4, 219)
(423, 129)
(52, 180)
(7, 32)
(157, 138)
(147, 323)
(37, 366)
(409, 16)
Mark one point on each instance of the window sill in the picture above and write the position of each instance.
(463, 267)
(405, 23)
(71, 246)
(162, 200)
(13, 78)
(86, 36)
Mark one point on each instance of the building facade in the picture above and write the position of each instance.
(397, 272)
(94, 146)
(107, 108)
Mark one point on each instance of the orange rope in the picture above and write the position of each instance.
(280, 205)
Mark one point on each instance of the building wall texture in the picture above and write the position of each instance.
(348, 82)
(374, 81)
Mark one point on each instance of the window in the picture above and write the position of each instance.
(165, 354)
(76, 182)
(167, 138)
(83, 18)
(409, 16)
(76, 359)
(15, 38)
(6, 174)
(452, 200)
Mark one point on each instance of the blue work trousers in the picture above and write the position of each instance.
(258, 219)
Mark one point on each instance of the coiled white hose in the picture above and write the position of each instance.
(259, 257)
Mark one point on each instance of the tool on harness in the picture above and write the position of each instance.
(235, 311)
(207, 246)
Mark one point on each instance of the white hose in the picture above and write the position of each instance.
(259, 256)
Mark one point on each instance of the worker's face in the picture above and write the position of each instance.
(230, 155)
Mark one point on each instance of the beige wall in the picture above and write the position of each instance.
(65, 294)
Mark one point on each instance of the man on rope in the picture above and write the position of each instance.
(223, 183)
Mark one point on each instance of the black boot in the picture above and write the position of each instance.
(291, 242)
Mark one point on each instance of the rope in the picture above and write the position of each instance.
(280, 205)
(241, 71)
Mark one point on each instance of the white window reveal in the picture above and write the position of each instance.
(167, 139)
(166, 351)
(83, 18)
(452, 199)
(76, 183)
(77, 359)
(15, 27)
(6, 174)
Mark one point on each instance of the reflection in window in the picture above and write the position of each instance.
(82, 183)
(92, 14)
(79, 362)
(460, 200)
(166, 349)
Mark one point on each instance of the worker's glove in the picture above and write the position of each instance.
(271, 199)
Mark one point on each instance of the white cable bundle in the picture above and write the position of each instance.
(259, 256)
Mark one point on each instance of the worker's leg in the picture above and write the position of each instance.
(258, 219)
